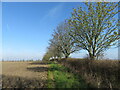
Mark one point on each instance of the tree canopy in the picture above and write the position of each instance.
(95, 29)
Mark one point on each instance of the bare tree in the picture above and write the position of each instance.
(62, 40)
(52, 53)
(46, 57)
(95, 28)
(55, 51)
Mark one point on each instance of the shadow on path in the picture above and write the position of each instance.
(38, 69)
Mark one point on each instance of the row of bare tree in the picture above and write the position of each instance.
(93, 28)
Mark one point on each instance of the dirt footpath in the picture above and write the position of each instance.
(24, 75)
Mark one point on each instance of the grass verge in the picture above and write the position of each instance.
(61, 77)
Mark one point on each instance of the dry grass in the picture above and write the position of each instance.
(98, 73)
(23, 74)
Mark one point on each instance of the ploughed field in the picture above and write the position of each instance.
(24, 75)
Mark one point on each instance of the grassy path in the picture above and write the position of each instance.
(61, 77)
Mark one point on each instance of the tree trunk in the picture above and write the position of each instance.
(66, 56)
(92, 56)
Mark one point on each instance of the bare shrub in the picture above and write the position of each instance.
(97, 73)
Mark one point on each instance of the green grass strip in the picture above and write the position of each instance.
(61, 77)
